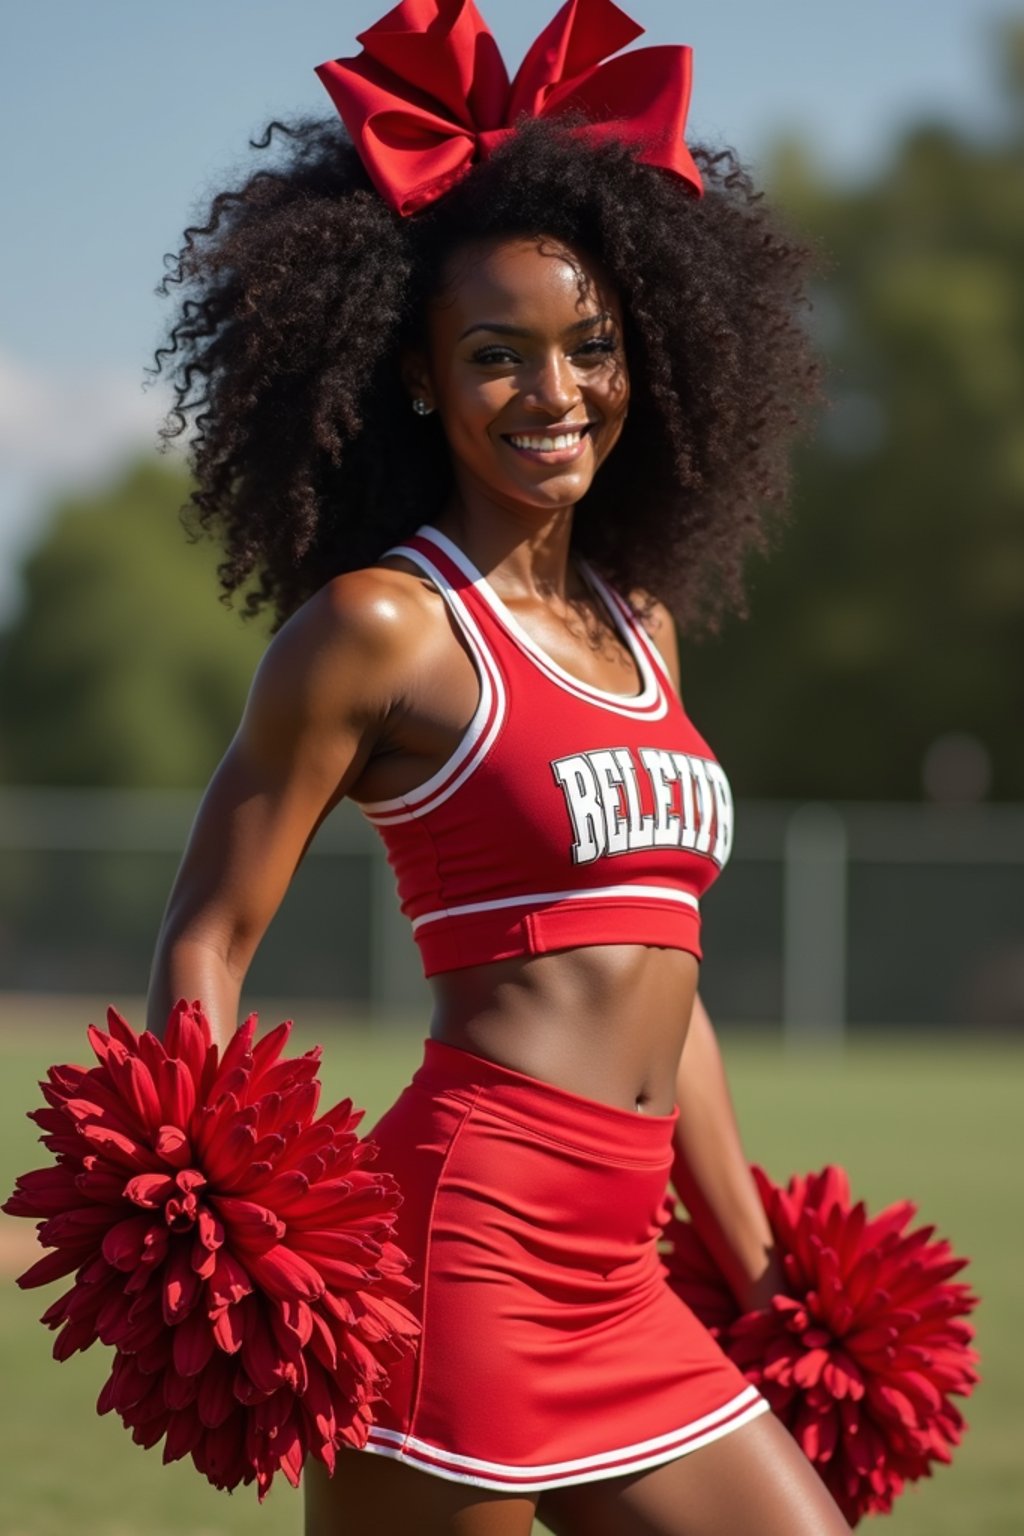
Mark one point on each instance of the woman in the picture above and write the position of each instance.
(479, 446)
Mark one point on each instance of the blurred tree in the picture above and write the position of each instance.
(890, 615)
(892, 610)
(122, 667)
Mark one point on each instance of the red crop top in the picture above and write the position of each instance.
(566, 815)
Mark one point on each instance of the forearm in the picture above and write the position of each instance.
(711, 1173)
(193, 968)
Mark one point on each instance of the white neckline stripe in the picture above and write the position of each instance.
(649, 704)
(739, 1410)
(537, 898)
(645, 640)
(487, 720)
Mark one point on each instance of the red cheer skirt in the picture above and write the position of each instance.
(553, 1351)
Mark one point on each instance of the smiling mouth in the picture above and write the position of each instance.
(551, 445)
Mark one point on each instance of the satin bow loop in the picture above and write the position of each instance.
(444, 51)
(575, 41)
(429, 96)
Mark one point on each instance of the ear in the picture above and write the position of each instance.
(416, 376)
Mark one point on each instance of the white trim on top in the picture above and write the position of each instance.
(746, 1405)
(614, 602)
(487, 720)
(643, 892)
(649, 704)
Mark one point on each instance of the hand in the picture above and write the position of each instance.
(758, 1292)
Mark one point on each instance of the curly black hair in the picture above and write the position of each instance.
(302, 287)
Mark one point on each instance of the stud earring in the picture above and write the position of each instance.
(421, 407)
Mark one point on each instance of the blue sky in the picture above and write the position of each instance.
(118, 118)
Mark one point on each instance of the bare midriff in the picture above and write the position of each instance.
(606, 1021)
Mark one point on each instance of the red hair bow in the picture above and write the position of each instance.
(429, 95)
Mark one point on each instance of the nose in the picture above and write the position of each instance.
(554, 387)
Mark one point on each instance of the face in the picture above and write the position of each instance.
(525, 368)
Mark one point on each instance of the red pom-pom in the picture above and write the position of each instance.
(233, 1249)
(860, 1357)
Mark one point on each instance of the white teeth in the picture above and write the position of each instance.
(546, 444)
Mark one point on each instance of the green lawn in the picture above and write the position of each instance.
(916, 1117)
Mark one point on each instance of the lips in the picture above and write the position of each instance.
(553, 445)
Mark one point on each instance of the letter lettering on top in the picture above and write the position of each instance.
(723, 812)
(684, 768)
(662, 770)
(609, 781)
(704, 804)
(641, 828)
(583, 798)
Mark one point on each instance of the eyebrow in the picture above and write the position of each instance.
(515, 330)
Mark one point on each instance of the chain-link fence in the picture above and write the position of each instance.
(828, 916)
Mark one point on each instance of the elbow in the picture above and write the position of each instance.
(225, 939)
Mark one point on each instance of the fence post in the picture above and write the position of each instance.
(814, 927)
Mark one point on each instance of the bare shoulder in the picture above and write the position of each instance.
(661, 627)
(343, 649)
(370, 608)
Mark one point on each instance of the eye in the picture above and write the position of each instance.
(598, 346)
(494, 355)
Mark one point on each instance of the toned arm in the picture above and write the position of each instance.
(711, 1173)
(317, 705)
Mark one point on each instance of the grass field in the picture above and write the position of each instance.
(918, 1117)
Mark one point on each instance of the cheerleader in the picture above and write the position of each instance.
(494, 384)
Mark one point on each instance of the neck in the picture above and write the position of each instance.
(523, 552)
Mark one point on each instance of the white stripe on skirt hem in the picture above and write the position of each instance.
(585, 1469)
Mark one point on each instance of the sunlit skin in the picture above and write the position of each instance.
(525, 337)
(366, 692)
